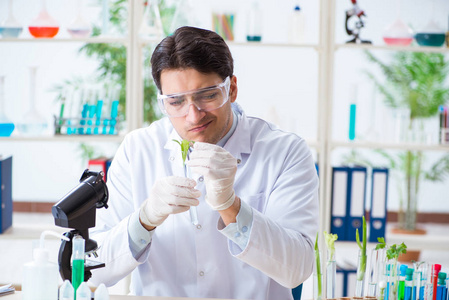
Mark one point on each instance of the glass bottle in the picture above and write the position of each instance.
(6, 125)
(151, 26)
(44, 26)
(33, 123)
(79, 28)
(10, 28)
(296, 29)
(254, 28)
(398, 33)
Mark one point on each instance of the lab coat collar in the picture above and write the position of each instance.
(238, 143)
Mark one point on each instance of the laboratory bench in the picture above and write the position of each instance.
(18, 296)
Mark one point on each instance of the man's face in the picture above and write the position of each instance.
(197, 125)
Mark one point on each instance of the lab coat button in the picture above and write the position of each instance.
(172, 158)
(201, 179)
(239, 161)
(244, 228)
(198, 226)
(201, 273)
(237, 234)
(142, 241)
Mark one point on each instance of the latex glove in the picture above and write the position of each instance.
(218, 168)
(169, 195)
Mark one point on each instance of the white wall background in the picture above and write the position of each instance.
(277, 83)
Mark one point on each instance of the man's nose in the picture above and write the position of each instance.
(194, 114)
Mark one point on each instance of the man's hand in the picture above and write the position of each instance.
(218, 168)
(169, 195)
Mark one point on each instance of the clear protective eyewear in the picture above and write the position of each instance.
(205, 99)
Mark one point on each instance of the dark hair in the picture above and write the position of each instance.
(190, 47)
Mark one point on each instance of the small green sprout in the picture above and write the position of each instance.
(393, 251)
(330, 239)
(185, 145)
(362, 263)
(318, 266)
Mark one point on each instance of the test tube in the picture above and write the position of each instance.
(375, 267)
(401, 282)
(331, 274)
(193, 211)
(408, 290)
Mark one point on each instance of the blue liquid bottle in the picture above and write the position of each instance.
(352, 113)
(6, 126)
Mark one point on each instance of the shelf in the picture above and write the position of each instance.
(394, 146)
(89, 40)
(393, 48)
(65, 138)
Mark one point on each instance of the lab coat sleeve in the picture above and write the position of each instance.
(281, 238)
(111, 231)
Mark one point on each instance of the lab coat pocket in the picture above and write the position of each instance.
(256, 201)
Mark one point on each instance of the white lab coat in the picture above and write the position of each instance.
(276, 176)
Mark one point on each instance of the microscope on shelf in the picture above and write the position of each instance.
(355, 11)
(76, 210)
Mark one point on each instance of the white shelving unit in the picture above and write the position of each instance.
(325, 49)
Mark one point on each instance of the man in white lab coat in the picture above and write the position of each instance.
(254, 188)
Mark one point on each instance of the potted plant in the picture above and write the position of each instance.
(414, 81)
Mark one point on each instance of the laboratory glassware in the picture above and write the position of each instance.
(33, 123)
(352, 112)
(361, 272)
(151, 26)
(79, 28)
(44, 26)
(254, 26)
(331, 274)
(6, 125)
(398, 33)
(66, 291)
(375, 268)
(10, 28)
(431, 35)
(296, 27)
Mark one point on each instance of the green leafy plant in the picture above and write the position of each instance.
(330, 239)
(361, 269)
(185, 146)
(415, 81)
(393, 251)
(318, 268)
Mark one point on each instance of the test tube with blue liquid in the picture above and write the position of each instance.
(441, 287)
(114, 110)
(352, 112)
(408, 289)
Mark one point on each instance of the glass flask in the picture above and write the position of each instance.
(6, 125)
(398, 34)
(79, 28)
(44, 26)
(151, 26)
(431, 35)
(10, 28)
(33, 123)
(184, 15)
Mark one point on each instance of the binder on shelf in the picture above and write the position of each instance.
(5, 193)
(100, 164)
(348, 201)
(356, 202)
(378, 212)
(345, 281)
(339, 200)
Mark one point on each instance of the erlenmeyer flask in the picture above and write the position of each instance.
(10, 28)
(184, 15)
(33, 123)
(79, 28)
(151, 26)
(44, 26)
(6, 125)
(398, 33)
(431, 35)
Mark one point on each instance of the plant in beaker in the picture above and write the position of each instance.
(6, 125)
(33, 123)
(10, 28)
(79, 28)
(44, 26)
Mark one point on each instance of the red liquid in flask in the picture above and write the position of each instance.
(43, 32)
(398, 41)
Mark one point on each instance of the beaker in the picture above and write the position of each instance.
(44, 26)
(33, 123)
(398, 33)
(10, 28)
(6, 125)
(79, 28)
(151, 26)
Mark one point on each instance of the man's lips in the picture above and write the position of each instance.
(200, 128)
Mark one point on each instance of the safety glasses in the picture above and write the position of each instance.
(205, 99)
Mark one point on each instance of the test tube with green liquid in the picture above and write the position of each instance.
(77, 262)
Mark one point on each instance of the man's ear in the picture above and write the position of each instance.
(233, 89)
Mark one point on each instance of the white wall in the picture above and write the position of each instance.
(277, 83)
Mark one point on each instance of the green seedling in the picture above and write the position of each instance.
(185, 145)
(393, 251)
(330, 239)
(362, 264)
(318, 267)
